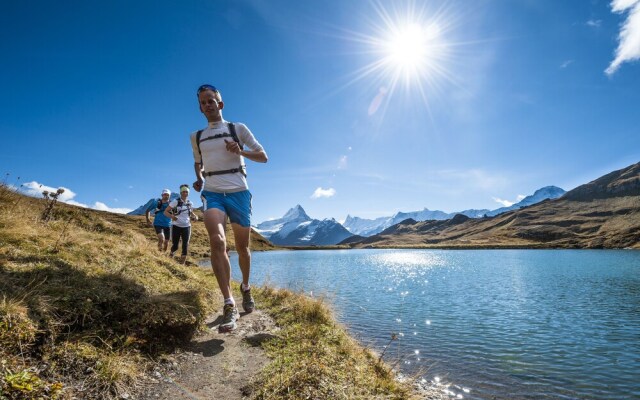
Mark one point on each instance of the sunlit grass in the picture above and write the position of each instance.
(87, 294)
(88, 303)
(314, 358)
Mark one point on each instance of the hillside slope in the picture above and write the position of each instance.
(88, 291)
(89, 309)
(604, 213)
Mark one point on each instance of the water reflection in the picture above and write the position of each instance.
(483, 324)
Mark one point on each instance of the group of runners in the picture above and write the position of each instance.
(219, 151)
(172, 221)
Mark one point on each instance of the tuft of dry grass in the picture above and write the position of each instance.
(87, 299)
(314, 357)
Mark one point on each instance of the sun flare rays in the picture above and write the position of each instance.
(410, 52)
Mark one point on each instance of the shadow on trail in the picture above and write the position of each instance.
(209, 348)
(110, 308)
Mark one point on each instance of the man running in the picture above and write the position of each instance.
(161, 222)
(180, 211)
(218, 152)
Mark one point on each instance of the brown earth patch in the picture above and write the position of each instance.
(214, 365)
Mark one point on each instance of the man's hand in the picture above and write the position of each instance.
(197, 185)
(232, 146)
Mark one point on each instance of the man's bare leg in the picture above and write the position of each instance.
(214, 221)
(242, 236)
(160, 240)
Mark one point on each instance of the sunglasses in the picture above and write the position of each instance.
(206, 87)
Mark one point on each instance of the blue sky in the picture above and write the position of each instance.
(492, 99)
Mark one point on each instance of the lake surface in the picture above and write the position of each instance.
(483, 324)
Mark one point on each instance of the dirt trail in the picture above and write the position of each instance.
(214, 365)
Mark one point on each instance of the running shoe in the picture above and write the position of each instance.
(247, 300)
(229, 318)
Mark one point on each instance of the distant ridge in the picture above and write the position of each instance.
(604, 213)
(296, 228)
(623, 182)
(368, 227)
(142, 210)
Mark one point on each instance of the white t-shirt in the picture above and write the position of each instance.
(182, 212)
(215, 156)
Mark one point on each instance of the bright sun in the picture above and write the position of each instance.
(410, 51)
(407, 47)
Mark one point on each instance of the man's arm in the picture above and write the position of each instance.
(257, 156)
(197, 168)
(147, 215)
(167, 213)
(254, 155)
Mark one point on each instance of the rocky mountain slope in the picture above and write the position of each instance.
(368, 227)
(604, 213)
(296, 228)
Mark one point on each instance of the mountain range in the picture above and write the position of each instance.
(369, 227)
(604, 213)
(296, 228)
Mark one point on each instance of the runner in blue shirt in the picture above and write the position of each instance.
(161, 222)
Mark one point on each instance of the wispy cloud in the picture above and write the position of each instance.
(594, 23)
(103, 207)
(507, 203)
(35, 189)
(629, 36)
(566, 64)
(320, 192)
(473, 178)
(342, 163)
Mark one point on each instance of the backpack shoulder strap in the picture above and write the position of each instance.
(198, 136)
(234, 135)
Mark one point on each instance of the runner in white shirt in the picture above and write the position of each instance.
(180, 211)
(219, 154)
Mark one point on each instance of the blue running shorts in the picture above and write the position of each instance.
(237, 205)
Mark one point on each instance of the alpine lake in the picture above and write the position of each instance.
(482, 324)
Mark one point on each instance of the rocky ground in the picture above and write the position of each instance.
(214, 365)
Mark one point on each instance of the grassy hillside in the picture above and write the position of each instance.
(87, 303)
(612, 223)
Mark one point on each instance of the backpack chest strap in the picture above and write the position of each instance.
(232, 134)
(242, 169)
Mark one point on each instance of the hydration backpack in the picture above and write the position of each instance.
(232, 134)
(175, 211)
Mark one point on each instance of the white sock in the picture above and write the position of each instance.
(229, 301)
(245, 288)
